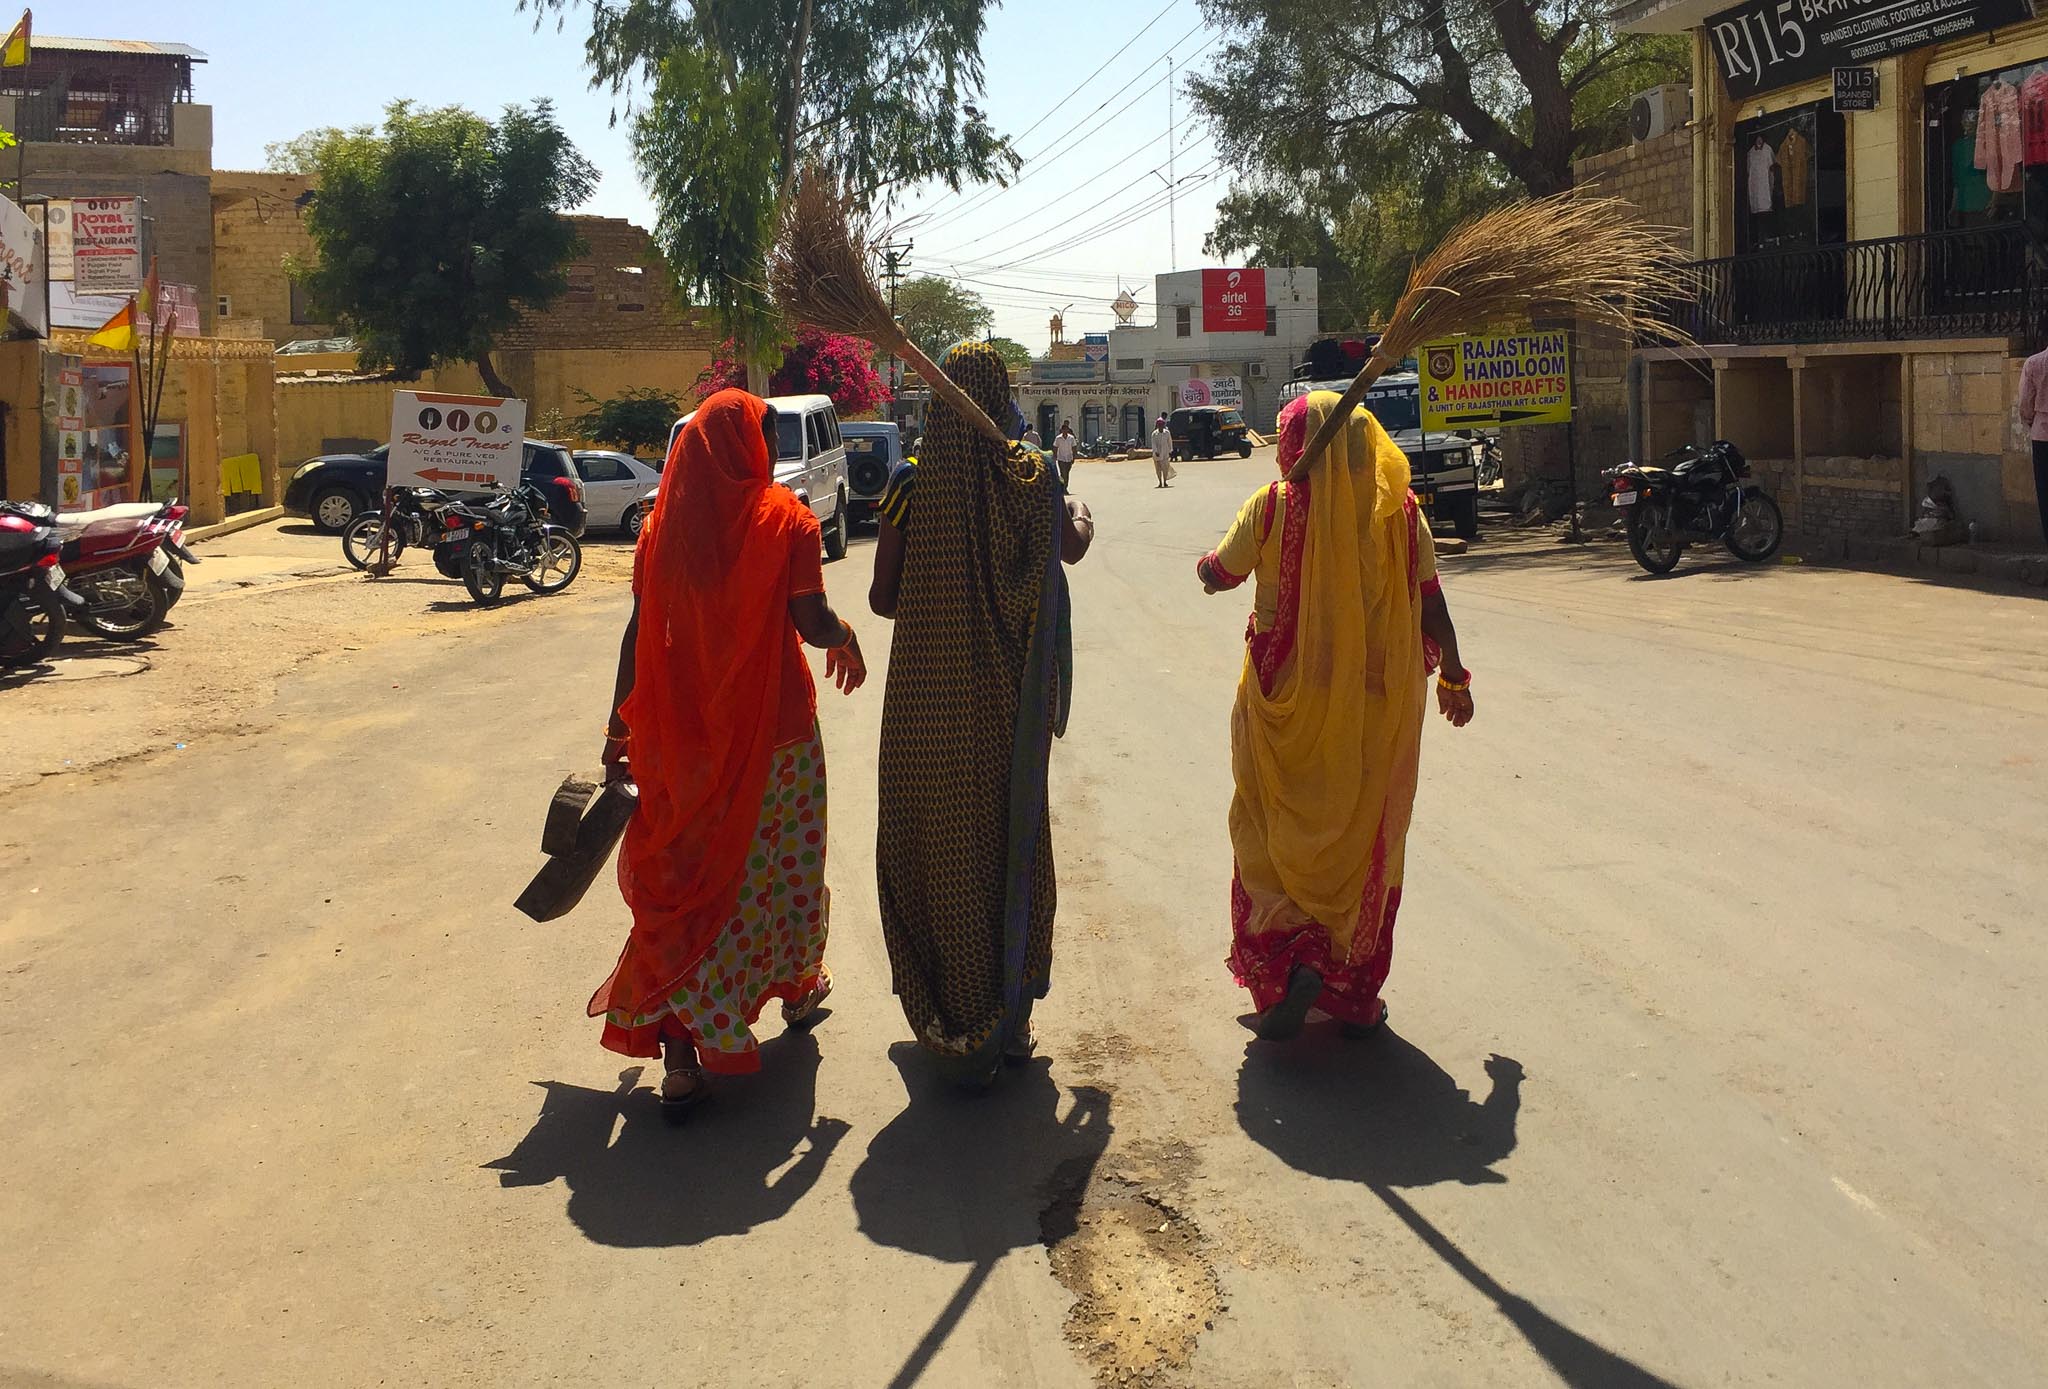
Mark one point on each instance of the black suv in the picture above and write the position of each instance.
(334, 488)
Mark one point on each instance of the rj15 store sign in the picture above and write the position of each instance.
(461, 442)
(1767, 44)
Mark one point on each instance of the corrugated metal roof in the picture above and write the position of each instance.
(161, 50)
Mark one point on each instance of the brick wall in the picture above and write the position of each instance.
(1655, 178)
(256, 226)
(1961, 407)
(180, 226)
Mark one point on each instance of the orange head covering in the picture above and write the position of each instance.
(715, 657)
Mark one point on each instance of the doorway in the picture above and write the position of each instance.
(1048, 421)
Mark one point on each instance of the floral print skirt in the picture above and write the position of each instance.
(773, 946)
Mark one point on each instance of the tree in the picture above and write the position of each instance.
(1370, 127)
(736, 96)
(636, 420)
(937, 313)
(435, 232)
(1016, 355)
(817, 363)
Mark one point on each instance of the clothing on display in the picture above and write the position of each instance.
(1999, 152)
(1795, 166)
(2034, 117)
(1761, 161)
(1971, 194)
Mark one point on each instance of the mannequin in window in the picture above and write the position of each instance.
(1759, 162)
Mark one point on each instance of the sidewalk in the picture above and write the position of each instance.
(275, 552)
(2005, 563)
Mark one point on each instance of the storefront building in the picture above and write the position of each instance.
(1870, 205)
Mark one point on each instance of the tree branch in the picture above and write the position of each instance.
(796, 101)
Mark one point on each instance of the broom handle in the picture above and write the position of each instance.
(1375, 367)
(944, 385)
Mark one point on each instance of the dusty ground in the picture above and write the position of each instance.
(1716, 1053)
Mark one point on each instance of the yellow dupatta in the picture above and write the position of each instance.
(1326, 763)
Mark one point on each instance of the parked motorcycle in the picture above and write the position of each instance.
(510, 537)
(413, 517)
(1694, 495)
(33, 596)
(128, 563)
(1488, 459)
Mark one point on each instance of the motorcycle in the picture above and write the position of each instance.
(413, 517)
(510, 537)
(128, 563)
(33, 595)
(1488, 459)
(1694, 495)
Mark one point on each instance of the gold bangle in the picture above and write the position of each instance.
(1453, 686)
(611, 737)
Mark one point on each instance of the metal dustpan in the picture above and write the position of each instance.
(584, 824)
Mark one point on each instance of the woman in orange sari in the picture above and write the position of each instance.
(1326, 735)
(715, 718)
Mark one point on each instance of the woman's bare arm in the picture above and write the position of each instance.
(1078, 533)
(614, 758)
(812, 616)
(888, 570)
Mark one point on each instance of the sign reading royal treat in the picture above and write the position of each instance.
(461, 442)
(1766, 44)
(1233, 301)
(106, 245)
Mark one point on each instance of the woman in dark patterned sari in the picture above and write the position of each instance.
(973, 536)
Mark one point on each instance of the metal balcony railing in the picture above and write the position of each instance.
(1977, 282)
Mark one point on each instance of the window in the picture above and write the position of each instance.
(224, 306)
(1183, 324)
(597, 467)
(1272, 321)
(1791, 180)
(302, 304)
(1130, 364)
(814, 431)
(789, 438)
(1959, 193)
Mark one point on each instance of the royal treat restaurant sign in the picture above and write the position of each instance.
(466, 443)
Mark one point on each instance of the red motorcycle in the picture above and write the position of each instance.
(128, 563)
(32, 591)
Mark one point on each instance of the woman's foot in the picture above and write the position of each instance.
(1359, 1031)
(1284, 1019)
(1022, 1044)
(803, 1014)
(684, 1084)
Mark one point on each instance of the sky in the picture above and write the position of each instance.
(1079, 85)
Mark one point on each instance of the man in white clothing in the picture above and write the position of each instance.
(1162, 452)
(1064, 447)
(1031, 436)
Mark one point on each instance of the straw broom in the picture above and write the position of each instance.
(821, 272)
(1565, 256)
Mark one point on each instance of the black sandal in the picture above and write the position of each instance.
(1284, 1019)
(1359, 1031)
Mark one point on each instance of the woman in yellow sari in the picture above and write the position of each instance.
(1326, 735)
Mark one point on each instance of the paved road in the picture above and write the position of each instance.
(1717, 1052)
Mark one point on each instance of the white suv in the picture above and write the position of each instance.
(810, 460)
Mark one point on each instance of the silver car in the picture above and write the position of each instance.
(618, 488)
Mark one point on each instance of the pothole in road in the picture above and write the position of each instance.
(92, 667)
(1143, 1289)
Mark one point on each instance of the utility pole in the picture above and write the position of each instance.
(893, 256)
(1172, 240)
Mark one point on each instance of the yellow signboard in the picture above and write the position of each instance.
(1493, 379)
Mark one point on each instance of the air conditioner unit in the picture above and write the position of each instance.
(1659, 111)
(1257, 371)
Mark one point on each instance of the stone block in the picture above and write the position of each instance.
(2016, 476)
(1956, 559)
(1982, 394)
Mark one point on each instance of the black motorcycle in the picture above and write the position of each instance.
(413, 518)
(509, 537)
(1695, 495)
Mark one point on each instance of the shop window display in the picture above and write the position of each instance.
(1790, 180)
(1987, 149)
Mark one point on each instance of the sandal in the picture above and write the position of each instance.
(1021, 1045)
(1359, 1031)
(1284, 1019)
(803, 1015)
(676, 1107)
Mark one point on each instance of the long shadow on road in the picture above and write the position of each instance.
(1383, 1114)
(728, 1170)
(965, 1180)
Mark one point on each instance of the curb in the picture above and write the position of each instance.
(245, 521)
(2028, 569)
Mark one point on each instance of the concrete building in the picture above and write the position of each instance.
(1238, 341)
(1869, 277)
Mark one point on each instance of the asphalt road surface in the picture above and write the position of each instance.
(1717, 1049)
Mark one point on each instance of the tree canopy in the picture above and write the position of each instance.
(1367, 128)
(937, 313)
(636, 420)
(729, 99)
(1015, 354)
(433, 232)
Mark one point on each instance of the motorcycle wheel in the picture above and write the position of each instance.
(1657, 549)
(1757, 530)
(31, 625)
(173, 592)
(558, 562)
(359, 539)
(141, 617)
(485, 584)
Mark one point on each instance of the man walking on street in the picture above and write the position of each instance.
(1162, 452)
(1031, 436)
(2033, 407)
(1064, 446)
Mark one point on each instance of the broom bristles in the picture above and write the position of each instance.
(1567, 256)
(821, 271)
